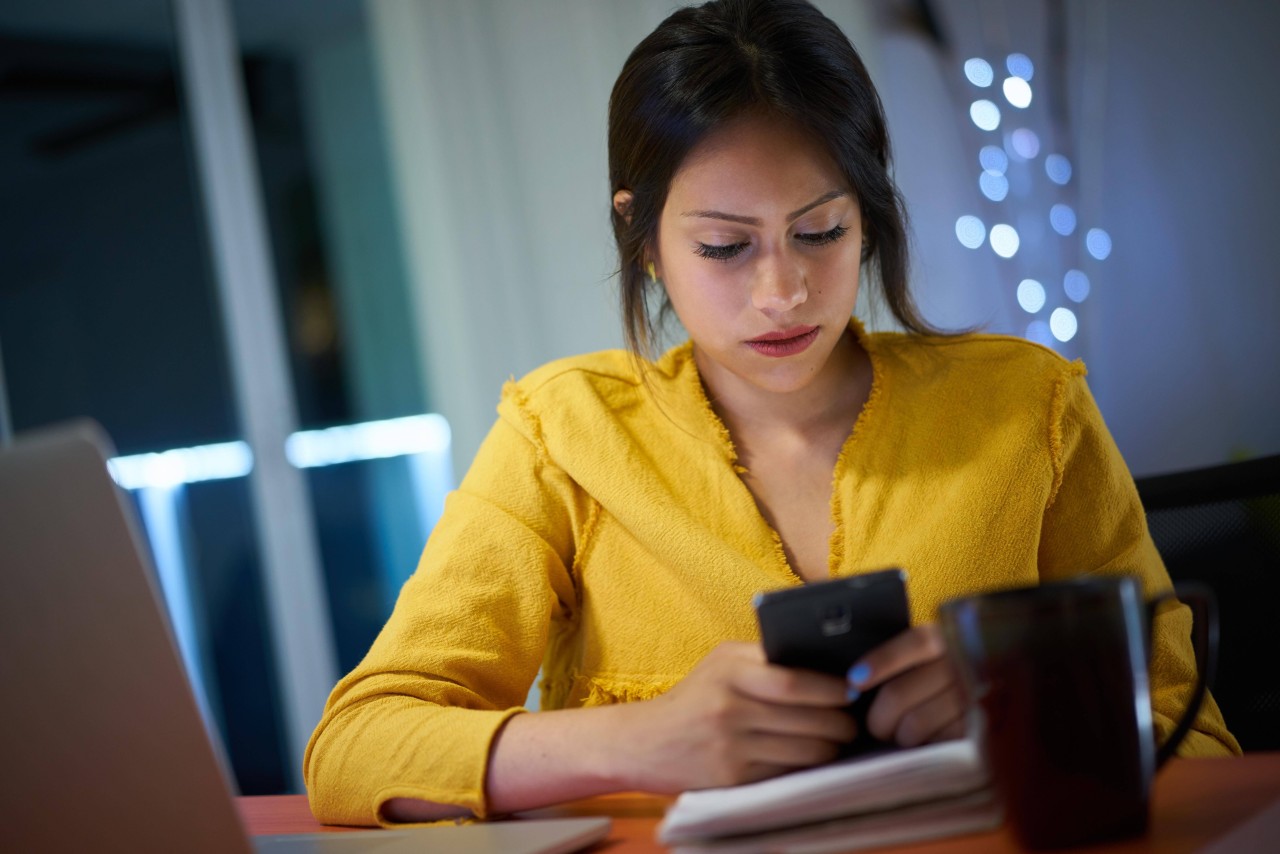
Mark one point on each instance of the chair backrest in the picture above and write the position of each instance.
(1221, 526)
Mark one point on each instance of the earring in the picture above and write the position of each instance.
(653, 272)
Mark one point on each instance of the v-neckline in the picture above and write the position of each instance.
(836, 543)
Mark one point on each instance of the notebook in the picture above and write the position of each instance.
(876, 783)
(102, 744)
(889, 798)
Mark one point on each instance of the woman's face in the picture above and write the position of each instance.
(759, 248)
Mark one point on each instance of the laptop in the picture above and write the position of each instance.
(102, 745)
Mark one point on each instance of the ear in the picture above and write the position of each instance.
(622, 203)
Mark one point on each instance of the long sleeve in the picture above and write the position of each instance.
(1095, 524)
(417, 717)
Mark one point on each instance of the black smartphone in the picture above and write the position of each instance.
(828, 625)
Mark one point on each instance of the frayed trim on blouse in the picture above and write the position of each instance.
(512, 391)
(1057, 409)
(709, 414)
(599, 690)
(835, 546)
(582, 548)
(780, 553)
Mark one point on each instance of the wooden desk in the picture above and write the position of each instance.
(1197, 802)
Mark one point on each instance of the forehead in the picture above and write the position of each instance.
(759, 155)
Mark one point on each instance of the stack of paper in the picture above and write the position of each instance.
(900, 796)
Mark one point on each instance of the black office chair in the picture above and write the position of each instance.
(1221, 526)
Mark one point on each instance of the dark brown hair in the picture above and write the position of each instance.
(707, 64)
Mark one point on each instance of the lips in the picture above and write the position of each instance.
(785, 342)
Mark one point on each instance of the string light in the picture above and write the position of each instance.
(1063, 219)
(993, 185)
(979, 72)
(1062, 323)
(993, 159)
(1076, 285)
(970, 231)
(1058, 168)
(985, 114)
(1017, 92)
(1024, 143)
(1004, 240)
(1098, 242)
(1020, 66)
(1003, 175)
(1031, 295)
(1038, 331)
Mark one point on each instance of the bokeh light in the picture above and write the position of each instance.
(985, 114)
(1020, 65)
(1030, 295)
(1038, 331)
(1063, 219)
(979, 72)
(993, 185)
(1024, 143)
(1098, 242)
(1063, 325)
(1058, 168)
(1004, 240)
(1017, 92)
(993, 159)
(1076, 285)
(970, 231)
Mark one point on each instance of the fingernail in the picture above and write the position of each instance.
(859, 673)
(852, 694)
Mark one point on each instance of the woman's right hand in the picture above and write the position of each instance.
(734, 719)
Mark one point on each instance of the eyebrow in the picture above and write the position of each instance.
(751, 220)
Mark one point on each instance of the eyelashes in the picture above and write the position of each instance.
(729, 251)
(825, 237)
(719, 253)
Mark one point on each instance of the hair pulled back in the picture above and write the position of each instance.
(705, 65)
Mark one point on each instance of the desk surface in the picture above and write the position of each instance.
(1197, 802)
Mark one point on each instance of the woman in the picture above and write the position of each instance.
(623, 511)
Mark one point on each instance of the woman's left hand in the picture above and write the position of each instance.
(920, 698)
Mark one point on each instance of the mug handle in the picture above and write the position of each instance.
(1204, 630)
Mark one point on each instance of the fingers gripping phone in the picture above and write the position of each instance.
(828, 625)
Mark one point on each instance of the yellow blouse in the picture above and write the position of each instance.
(603, 534)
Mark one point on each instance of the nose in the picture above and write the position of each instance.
(779, 284)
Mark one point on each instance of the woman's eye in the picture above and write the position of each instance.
(725, 252)
(720, 253)
(824, 237)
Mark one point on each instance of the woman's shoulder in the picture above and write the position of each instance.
(988, 359)
(582, 406)
(980, 378)
(606, 380)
